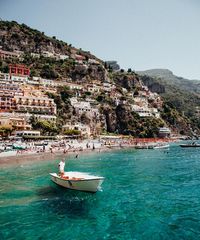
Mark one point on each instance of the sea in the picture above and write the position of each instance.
(147, 194)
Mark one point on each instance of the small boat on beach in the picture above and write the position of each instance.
(78, 181)
(19, 146)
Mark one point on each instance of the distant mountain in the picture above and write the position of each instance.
(183, 94)
(167, 76)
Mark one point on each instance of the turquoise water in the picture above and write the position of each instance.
(147, 194)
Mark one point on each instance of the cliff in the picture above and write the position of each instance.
(43, 55)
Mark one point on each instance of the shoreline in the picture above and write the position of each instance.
(45, 156)
(31, 157)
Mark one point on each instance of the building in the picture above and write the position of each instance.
(146, 111)
(7, 104)
(47, 82)
(142, 111)
(38, 105)
(73, 86)
(93, 88)
(8, 55)
(27, 116)
(10, 90)
(61, 56)
(4, 77)
(30, 133)
(17, 123)
(35, 55)
(84, 107)
(164, 132)
(47, 54)
(108, 87)
(18, 78)
(19, 69)
(141, 101)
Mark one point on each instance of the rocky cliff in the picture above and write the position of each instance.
(83, 68)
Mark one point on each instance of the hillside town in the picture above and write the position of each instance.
(23, 97)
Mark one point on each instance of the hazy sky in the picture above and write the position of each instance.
(140, 34)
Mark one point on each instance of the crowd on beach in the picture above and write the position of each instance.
(74, 145)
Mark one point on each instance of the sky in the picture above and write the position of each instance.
(139, 34)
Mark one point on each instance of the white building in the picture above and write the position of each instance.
(47, 82)
(35, 55)
(4, 77)
(141, 101)
(93, 88)
(84, 107)
(18, 78)
(108, 87)
(93, 61)
(145, 111)
(48, 54)
(27, 133)
(73, 86)
(164, 132)
(63, 57)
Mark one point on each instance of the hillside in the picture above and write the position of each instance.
(115, 98)
(183, 94)
(168, 77)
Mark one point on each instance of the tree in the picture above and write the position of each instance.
(72, 132)
(48, 72)
(46, 127)
(65, 93)
(5, 130)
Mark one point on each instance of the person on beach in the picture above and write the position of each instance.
(61, 167)
(51, 149)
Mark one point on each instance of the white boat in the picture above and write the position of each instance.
(161, 146)
(78, 181)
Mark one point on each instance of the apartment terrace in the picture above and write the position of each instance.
(7, 104)
(8, 55)
(10, 90)
(34, 104)
(17, 123)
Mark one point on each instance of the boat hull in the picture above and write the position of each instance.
(189, 146)
(86, 185)
(162, 146)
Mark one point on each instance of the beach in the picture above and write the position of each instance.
(62, 150)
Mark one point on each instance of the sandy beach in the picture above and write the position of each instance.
(76, 149)
(44, 156)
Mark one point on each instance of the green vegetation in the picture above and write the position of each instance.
(179, 101)
(5, 130)
(46, 127)
(72, 132)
